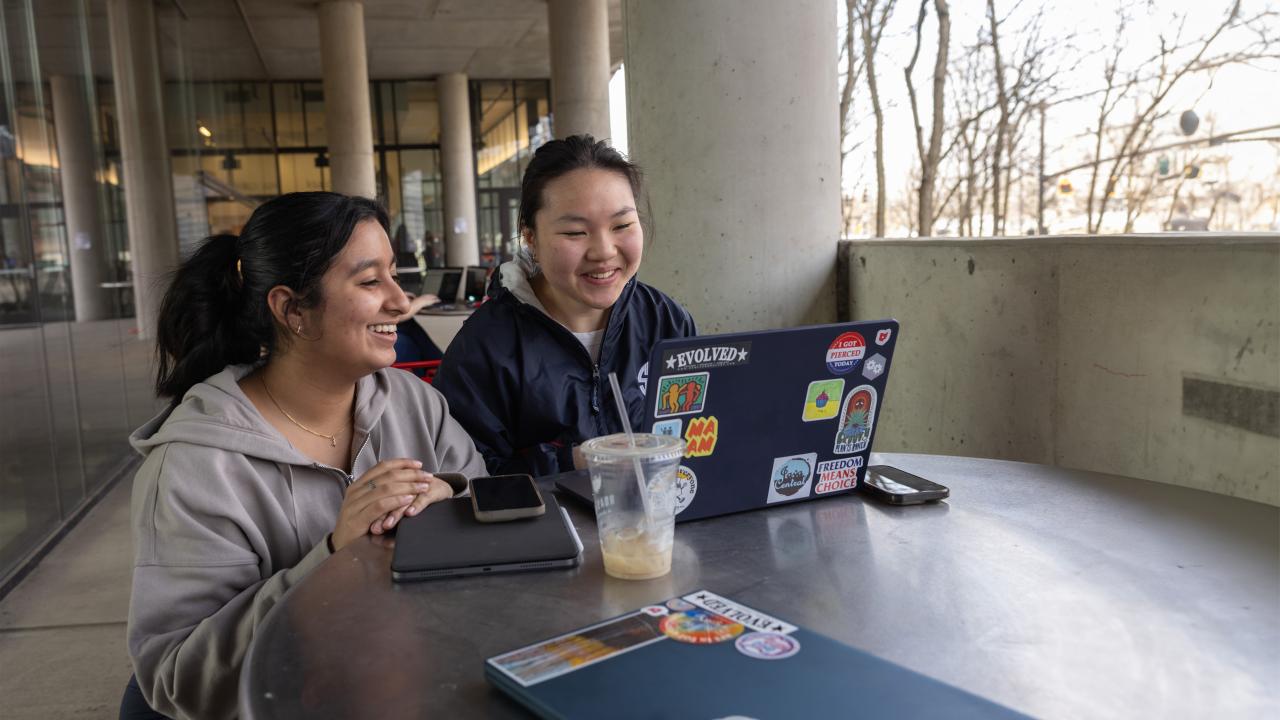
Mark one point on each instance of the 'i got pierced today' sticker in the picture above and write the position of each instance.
(701, 436)
(822, 401)
(681, 394)
(686, 487)
(856, 418)
(700, 627)
(791, 477)
(767, 645)
(845, 353)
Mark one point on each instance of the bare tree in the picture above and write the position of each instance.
(1174, 62)
(873, 17)
(851, 73)
(931, 154)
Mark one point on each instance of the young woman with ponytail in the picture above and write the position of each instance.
(286, 439)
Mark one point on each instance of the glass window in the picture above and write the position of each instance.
(299, 173)
(417, 113)
(498, 134)
(313, 113)
(290, 127)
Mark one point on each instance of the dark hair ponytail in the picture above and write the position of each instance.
(576, 152)
(215, 312)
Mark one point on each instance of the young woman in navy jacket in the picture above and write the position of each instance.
(528, 375)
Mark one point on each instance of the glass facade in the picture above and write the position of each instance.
(70, 390)
(73, 384)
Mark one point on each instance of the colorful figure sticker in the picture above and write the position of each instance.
(668, 427)
(767, 645)
(837, 475)
(701, 436)
(822, 401)
(791, 477)
(686, 487)
(874, 366)
(856, 418)
(883, 336)
(700, 627)
(845, 353)
(681, 394)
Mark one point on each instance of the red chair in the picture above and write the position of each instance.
(425, 369)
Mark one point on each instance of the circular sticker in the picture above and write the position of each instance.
(845, 353)
(699, 627)
(686, 487)
(654, 610)
(767, 645)
(680, 605)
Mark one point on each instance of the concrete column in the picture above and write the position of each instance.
(579, 66)
(731, 110)
(77, 164)
(345, 67)
(148, 187)
(458, 166)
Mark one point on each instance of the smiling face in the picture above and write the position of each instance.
(354, 329)
(588, 242)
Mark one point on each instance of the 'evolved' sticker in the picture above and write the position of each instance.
(791, 477)
(681, 394)
(668, 427)
(845, 352)
(705, 358)
(822, 401)
(701, 436)
(686, 487)
(767, 645)
(836, 475)
(856, 418)
(734, 610)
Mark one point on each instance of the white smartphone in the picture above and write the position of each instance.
(498, 498)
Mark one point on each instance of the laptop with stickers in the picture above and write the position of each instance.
(769, 417)
(702, 655)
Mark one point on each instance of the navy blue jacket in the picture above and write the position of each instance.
(525, 388)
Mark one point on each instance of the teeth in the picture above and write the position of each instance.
(384, 328)
(600, 276)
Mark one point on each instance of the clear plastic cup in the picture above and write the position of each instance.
(635, 541)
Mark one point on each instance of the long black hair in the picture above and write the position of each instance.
(215, 311)
(576, 152)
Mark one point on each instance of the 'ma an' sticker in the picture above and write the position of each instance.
(681, 394)
(822, 401)
(686, 488)
(767, 645)
(856, 417)
(845, 353)
(837, 475)
(701, 436)
(707, 357)
(668, 427)
(791, 477)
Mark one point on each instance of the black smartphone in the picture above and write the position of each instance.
(899, 487)
(498, 498)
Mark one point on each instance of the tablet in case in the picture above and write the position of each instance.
(446, 540)
(706, 656)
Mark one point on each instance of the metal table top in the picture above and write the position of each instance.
(1059, 593)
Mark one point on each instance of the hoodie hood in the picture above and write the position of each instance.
(515, 278)
(216, 413)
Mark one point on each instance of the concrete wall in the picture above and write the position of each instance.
(1144, 356)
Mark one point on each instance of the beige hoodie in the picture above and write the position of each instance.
(227, 516)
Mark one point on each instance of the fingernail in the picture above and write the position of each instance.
(391, 521)
(406, 498)
(417, 463)
(424, 473)
(412, 511)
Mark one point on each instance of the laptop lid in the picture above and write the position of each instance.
(474, 283)
(446, 540)
(443, 283)
(770, 417)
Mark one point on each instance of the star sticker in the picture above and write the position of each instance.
(671, 362)
(742, 355)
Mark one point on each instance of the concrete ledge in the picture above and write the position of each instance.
(1075, 351)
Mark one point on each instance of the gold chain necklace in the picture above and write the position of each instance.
(333, 439)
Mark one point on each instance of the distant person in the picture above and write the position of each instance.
(435, 250)
(527, 376)
(287, 438)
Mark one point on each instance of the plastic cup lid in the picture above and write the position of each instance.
(647, 446)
